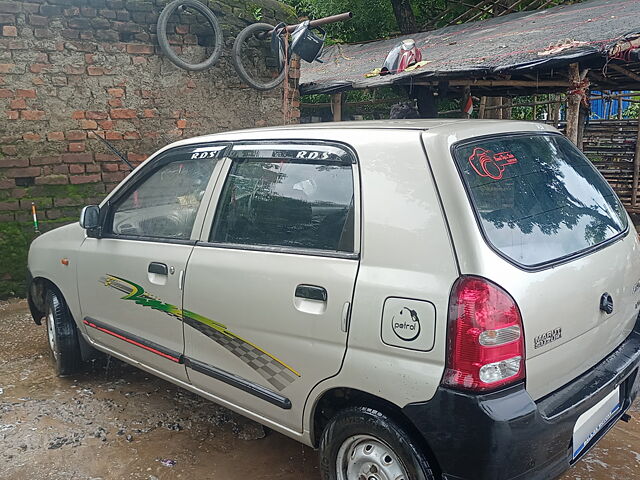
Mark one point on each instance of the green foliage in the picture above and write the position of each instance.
(14, 244)
(256, 12)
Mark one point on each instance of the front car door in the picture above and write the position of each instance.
(268, 289)
(130, 279)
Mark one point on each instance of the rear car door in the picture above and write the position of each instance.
(269, 287)
(129, 279)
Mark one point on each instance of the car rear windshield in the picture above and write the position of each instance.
(537, 198)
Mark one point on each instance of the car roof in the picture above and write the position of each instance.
(470, 127)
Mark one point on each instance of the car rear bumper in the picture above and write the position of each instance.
(506, 435)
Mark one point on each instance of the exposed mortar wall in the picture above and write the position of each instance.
(68, 67)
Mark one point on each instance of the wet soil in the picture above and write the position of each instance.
(113, 421)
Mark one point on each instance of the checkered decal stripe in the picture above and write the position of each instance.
(272, 370)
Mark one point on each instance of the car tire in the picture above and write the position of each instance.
(62, 335)
(362, 442)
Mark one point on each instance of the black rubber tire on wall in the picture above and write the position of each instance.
(163, 19)
(236, 58)
(63, 337)
(368, 421)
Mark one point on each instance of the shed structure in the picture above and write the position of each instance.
(565, 51)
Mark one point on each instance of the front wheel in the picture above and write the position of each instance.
(62, 335)
(362, 444)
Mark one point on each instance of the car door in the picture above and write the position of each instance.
(269, 287)
(130, 278)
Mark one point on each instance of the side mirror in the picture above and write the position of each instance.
(90, 217)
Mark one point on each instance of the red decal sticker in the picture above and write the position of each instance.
(486, 163)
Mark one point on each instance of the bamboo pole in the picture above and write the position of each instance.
(336, 106)
(483, 107)
(573, 101)
(636, 169)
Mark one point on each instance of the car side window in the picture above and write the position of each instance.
(165, 204)
(277, 196)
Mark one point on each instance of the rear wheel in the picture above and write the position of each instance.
(364, 444)
(62, 335)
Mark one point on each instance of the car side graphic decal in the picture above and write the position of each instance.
(274, 371)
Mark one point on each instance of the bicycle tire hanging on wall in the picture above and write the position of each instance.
(236, 57)
(163, 40)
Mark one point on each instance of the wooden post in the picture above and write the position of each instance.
(619, 108)
(508, 108)
(573, 104)
(336, 106)
(636, 169)
(482, 109)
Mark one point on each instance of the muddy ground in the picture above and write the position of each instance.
(116, 422)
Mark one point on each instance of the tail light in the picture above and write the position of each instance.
(486, 337)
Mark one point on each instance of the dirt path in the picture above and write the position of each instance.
(116, 422)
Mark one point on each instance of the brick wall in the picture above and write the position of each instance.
(71, 67)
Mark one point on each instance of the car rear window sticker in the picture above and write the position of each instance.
(487, 163)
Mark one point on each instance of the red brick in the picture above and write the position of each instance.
(116, 92)
(18, 104)
(76, 147)
(32, 115)
(123, 113)
(73, 70)
(114, 177)
(60, 169)
(136, 157)
(111, 135)
(148, 113)
(77, 157)
(131, 136)
(75, 169)
(182, 29)
(40, 67)
(105, 157)
(181, 124)
(139, 60)
(9, 31)
(6, 67)
(30, 93)
(97, 115)
(9, 149)
(92, 168)
(22, 172)
(116, 103)
(12, 114)
(45, 160)
(140, 49)
(78, 179)
(9, 205)
(89, 58)
(75, 135)
(18, 193)
(52, 180)
(147, 94)
(38, 21)
(31, 137)
(106, 124)
(7, 162)
(110, 167)
(67, 202)
(37, 81)
(95, 71)
(6, 93)
(55, 136)
(88, 124)
(78, 114)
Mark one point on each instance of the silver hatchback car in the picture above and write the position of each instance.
(401, 295)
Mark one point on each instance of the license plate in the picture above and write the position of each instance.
(593, 420)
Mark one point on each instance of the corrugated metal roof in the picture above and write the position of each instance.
(504, 45)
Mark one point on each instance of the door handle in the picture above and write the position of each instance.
(158, 268)
(311, 292)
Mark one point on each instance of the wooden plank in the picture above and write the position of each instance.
(336, 106)
(636, 169)
(573, 101)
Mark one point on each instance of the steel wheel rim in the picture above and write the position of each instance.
(51, 333)
(363, 457)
